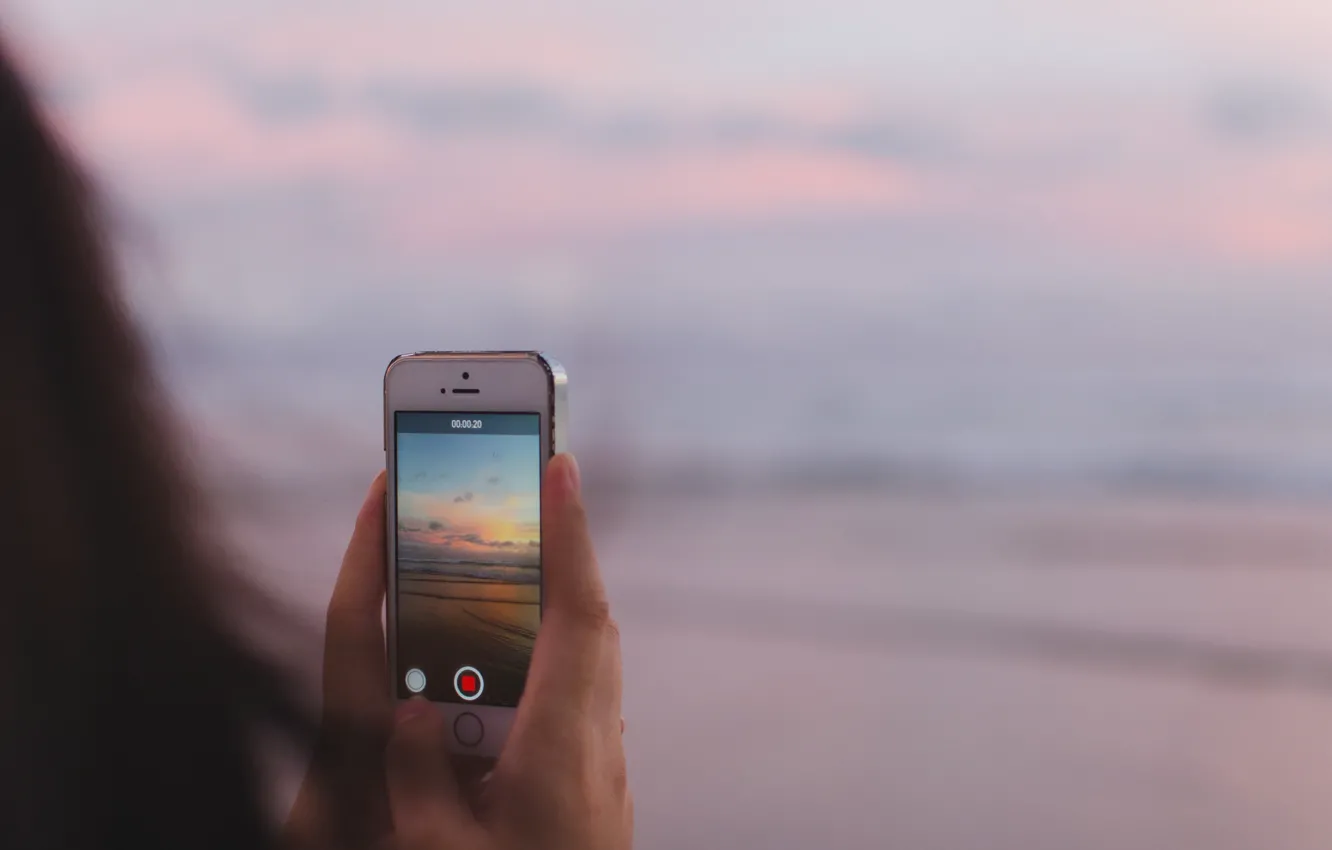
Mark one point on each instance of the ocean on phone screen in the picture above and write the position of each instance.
(476, 615)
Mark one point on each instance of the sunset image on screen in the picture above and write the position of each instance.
(468, 553)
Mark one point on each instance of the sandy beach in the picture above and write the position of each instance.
(866, 671)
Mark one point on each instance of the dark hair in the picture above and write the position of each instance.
(129, 705)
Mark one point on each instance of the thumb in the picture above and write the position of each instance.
(576, 658)
(355, 671)
(423, 792)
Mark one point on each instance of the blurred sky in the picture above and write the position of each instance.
(893, 215)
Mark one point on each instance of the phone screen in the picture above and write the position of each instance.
(468, 554)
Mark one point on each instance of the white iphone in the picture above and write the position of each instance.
(467, 436)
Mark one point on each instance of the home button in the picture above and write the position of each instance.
(468, 730)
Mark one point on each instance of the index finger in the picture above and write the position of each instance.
(571, 583)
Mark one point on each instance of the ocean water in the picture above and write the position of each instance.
(1194, 392)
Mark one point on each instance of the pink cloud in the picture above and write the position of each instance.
(1267, 210)
(539, 193)
(562, 54)
(1155, 185)
(186, 132)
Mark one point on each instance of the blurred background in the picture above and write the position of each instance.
(952, 381)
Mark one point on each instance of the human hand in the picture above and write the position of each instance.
(342, 802)
(561, 782)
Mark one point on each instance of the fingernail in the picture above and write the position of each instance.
(412, 709)
(374, 495)
(573, 479)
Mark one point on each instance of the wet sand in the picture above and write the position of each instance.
(446, 623)
(858, 673)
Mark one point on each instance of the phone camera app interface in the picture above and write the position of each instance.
(469, 554)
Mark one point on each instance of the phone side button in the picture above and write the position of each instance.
(468, 729)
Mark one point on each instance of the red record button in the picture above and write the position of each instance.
(468, 683)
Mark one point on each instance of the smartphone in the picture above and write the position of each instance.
(467, 436)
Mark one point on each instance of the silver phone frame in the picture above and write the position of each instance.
(496, 720)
